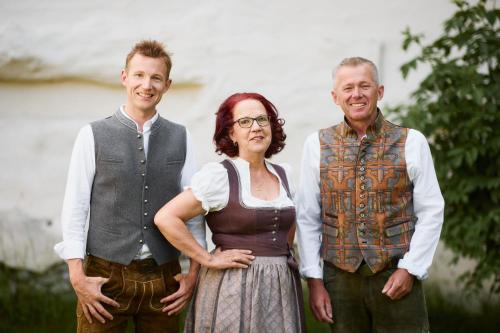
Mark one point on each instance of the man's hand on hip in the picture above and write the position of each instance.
(319, 301)
(181, 297)
(88, 291)
(399, 284)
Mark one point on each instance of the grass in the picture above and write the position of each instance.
(44, 302)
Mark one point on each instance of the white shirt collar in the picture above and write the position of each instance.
(147, 124)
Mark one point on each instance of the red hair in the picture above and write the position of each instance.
(224, 122)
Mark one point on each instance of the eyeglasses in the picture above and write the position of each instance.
(247, 122)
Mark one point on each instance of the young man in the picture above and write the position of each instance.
(369, 201)
(123, 169)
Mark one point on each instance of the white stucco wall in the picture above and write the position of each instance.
(60, 63)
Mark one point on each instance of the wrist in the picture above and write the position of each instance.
(194, 268)
(76, 272)
(205, 259)
(314, 282)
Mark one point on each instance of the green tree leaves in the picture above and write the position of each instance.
(456, 107)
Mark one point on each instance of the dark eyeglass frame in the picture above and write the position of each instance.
(262, 121)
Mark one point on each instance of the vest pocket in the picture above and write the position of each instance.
(331, 231)
(399, 229)
(399, 235)
(110, 159)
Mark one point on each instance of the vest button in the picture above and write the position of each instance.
(145, 227)
(275, 211)
(145, 213)
(143, 174)
(274, 239)
(361, 205)
(143, 161)
(362, 168)
(362, 161)
(140, 241)
(274, 231)
(145, 200)
(361, 196)
(146, 187)
(275, 218)
(362, 215)
(140, 148)
(362, 177)
(139, 136)
(363, 187)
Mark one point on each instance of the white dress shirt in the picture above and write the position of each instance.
(76, 206)
(428, 206)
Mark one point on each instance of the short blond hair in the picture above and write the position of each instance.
(153, 49)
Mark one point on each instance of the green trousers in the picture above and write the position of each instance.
(360, 307)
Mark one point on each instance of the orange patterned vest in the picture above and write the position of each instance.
(366, 195)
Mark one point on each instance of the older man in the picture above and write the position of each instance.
(370, 206)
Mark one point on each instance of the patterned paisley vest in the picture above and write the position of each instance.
(366, 196)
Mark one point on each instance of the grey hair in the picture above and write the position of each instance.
(356, 61)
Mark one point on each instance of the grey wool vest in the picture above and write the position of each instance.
(130, 187)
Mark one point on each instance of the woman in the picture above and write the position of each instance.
(248, 206)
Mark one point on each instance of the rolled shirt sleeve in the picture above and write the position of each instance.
(308, 203)
(428, 204)
(76, 202)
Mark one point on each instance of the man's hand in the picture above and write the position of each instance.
(181, 297)
(399, 284)
(319, 300)
(88, 291)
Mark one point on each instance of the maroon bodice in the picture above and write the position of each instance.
(263, 230)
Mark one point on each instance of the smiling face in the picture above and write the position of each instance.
(255, 139)
(145, 80)
(357, 92)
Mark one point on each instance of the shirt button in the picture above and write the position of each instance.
(274, 239)
(275, 211)
(274, 231)
(362, 168)
(362, 177)
(363, 187)
(274, 225)
(362, 215)
(361, 205)
(362, 161)
(361, 196)
(275, 218)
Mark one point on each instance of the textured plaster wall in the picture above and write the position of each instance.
(60, 63)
